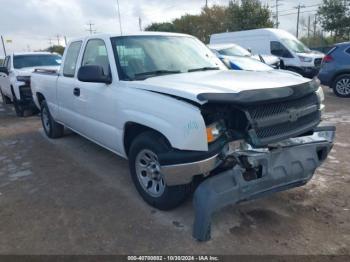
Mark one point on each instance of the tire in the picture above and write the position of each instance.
(143, 163)
(341, 86)
(51, 127)
(5, 99)
(18, 107)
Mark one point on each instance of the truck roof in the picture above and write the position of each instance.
(273, 31)
(109, 35)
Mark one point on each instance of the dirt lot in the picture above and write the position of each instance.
(69, 196)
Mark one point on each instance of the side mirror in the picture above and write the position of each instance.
(93, 74)
(3, 69)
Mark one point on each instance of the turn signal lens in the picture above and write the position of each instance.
(214, 131)
(210, 136)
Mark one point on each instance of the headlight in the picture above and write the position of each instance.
(215, 130)
(23, 78)
(305, 59)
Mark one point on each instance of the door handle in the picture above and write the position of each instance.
(76, 91)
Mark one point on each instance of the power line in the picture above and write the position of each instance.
(295, 13)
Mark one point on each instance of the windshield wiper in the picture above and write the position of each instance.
(206, 68)
(145, 75)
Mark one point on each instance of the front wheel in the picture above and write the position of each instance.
(341, 86)
(146, 175)
(51, 127)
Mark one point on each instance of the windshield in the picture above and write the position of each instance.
(234, 51)
(139, 57)
(22, 61)
(296, 45)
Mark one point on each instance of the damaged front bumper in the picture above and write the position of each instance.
(282, 166)
(189, 164)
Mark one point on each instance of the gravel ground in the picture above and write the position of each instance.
(70, 196)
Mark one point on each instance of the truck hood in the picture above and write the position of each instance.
(192, 86)
(27, 71)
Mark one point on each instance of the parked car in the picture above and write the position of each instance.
(165, 102)
(15, 77)
(294, 55)
(335, 69)
(242, 59)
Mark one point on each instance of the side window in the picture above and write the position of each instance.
(348, 50)
(96, 54)
(70, 62)
(278, 49)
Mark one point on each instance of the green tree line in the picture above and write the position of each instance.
(238, 15)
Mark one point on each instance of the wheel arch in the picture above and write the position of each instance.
(344, 72)
(132, 130)
(40, 97)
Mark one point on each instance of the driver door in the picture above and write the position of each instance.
(96, 101)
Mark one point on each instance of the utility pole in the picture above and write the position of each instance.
(3, 45)
(276, 12)
(140, 23)
(65, 40)
(90, 30)
(50, 42)
(58, 39)
(308, 30)
(315, 24)
(206, 3)
(120, 21)
(298, 17)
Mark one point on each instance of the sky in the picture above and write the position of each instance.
(30, 24)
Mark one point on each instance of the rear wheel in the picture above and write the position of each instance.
(51, 127)
(341, 86)
(146, 175)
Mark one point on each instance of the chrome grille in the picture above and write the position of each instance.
(276, 121)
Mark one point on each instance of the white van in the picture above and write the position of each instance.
(294, 55)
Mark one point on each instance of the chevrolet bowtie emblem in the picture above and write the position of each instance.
(293, 114)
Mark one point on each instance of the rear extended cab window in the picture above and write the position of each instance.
(70, 61)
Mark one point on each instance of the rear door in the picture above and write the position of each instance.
(66, 86)
(5, 79)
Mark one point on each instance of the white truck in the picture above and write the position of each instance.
(165, 102)
(294, 55)
(15, 77)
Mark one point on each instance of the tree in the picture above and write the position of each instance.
(335, 18)
(55, 49)
(250, 14)
(161, 27)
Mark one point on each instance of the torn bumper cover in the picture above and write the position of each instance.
(290, 163)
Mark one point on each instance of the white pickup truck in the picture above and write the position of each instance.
(15, 77)
(166, 103)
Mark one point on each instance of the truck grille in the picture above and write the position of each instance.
(277, 121)
(318, 62)
(26, 93)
